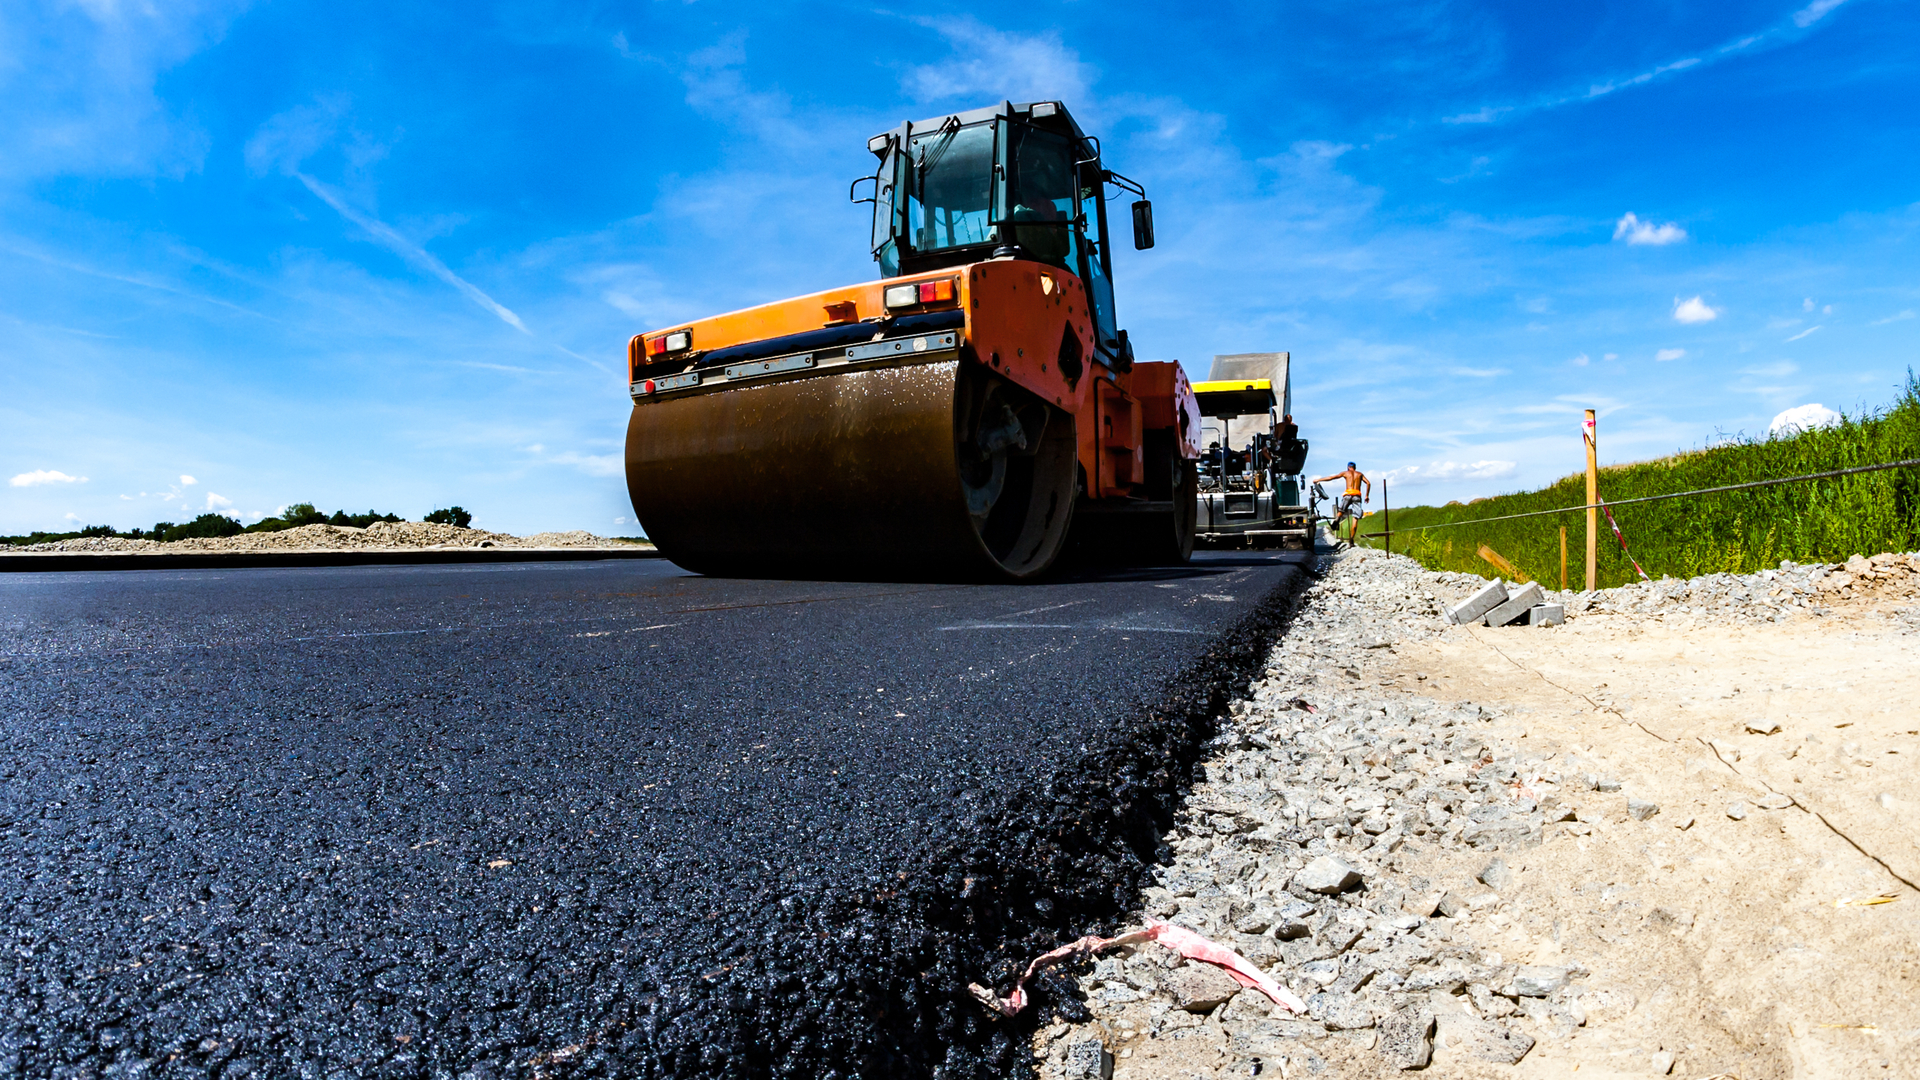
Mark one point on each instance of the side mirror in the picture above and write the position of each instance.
(1142, 225)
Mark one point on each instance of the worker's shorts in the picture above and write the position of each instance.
(1348, 505)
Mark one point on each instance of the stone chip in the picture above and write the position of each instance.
(1328, 875)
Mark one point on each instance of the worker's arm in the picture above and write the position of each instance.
(1368, 484)
(1324, 479)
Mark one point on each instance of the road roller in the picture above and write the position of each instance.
(972, 414)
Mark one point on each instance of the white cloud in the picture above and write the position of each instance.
(592, 464)
(187, 481)
(1439, 471)
(1611, 356)
(1635, 231)
(216, 502)
(991, 63)
(1695, 310)
(1813, 12)
(45, 476)
(1477, 373)
(1803, 333)
(1807, 304)
(1669, 354)
(78, 81)
(293, 136)
(1579, 361)
(1802, 418)
(1902, 317)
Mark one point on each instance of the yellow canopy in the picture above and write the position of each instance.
(1234, 397)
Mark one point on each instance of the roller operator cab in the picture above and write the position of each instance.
(970, 414)
(1252, 493)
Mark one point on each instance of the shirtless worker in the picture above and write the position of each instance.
(1348, 505)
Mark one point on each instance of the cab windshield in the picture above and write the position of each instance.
(950, 188)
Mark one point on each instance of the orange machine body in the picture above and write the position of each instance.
(1026, 321)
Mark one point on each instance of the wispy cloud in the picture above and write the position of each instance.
(286, 140)
(1695, 310)
(410, 251)
(1814, 12)
(1477, 373)
(1439, 471)
(591, 464)
(1579, 361)
(1669, 354)
(79, 85)
(998, 64)
(1901, 317)
(1803, 333)
(39, 477)
(1635, 231)
(1779, 33)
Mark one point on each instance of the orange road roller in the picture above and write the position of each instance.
(971, 415)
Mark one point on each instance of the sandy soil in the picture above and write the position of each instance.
(381, 535)
(1750, 946)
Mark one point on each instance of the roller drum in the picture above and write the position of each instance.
(933, 470)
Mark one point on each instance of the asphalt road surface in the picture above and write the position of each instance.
(578, 819)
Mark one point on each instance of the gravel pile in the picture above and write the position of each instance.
(1768, 596)
(1291, 851)
(403, 535)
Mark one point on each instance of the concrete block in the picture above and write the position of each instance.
(1475, 607)
(1519, 602)
(1546, 615)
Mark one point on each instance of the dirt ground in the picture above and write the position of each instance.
(1749, 946)
(1724, 856)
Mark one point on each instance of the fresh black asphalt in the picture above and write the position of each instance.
(579, 819)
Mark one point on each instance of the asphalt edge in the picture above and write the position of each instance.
(869, 979)
(1072, 859)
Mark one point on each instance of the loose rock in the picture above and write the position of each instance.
(1406, 1039)
(1327, 874)
(1199, 987)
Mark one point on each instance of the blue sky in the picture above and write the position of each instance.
(388, 255)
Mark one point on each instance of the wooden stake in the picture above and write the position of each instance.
(1563, 558)
(1386, 515)
(1593, 500)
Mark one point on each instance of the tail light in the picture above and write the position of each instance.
(678, 341)
(913, 294)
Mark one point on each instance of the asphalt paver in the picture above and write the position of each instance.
(580, 819)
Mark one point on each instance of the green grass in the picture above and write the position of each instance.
(1739, 532)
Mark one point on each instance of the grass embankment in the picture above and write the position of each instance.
(1739, 532)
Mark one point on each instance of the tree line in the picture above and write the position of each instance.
(217, 525)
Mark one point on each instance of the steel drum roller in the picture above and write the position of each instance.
(864, 472)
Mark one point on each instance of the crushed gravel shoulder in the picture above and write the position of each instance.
(1668, 837)
(381, 535)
